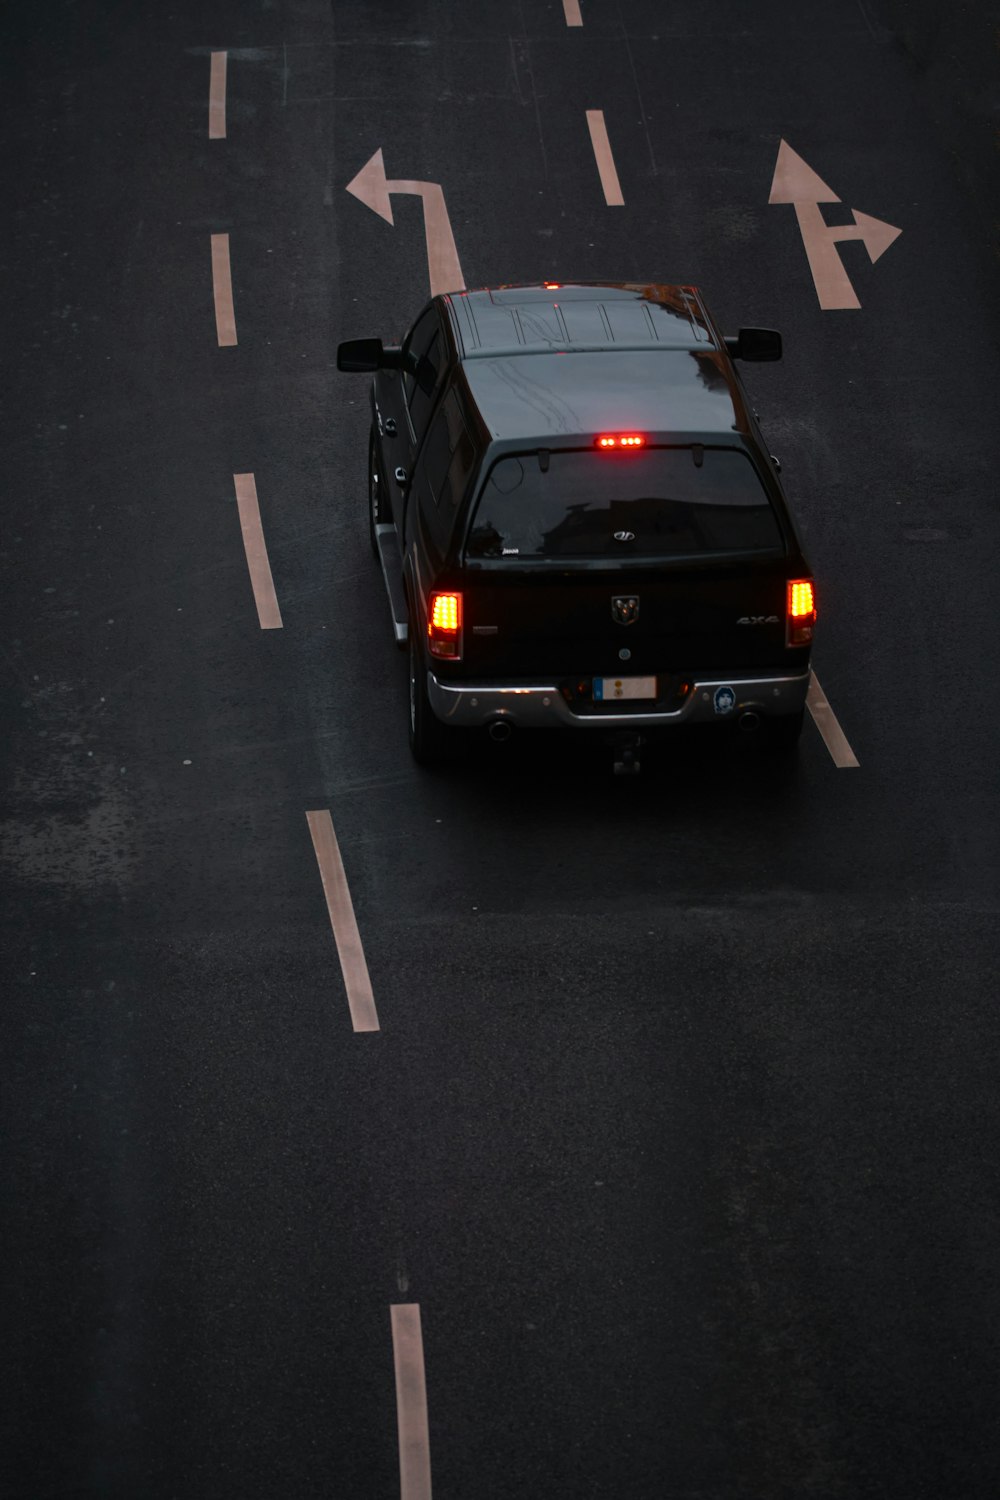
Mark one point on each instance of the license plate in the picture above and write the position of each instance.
(609, 689)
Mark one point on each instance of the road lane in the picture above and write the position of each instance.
(688, 1092)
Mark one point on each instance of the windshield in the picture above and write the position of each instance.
(656, 503)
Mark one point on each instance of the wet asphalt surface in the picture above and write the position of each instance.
(681, 1126)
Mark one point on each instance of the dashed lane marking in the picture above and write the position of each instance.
(571, 9)
(605, 160)
(222, 287)
(411, 1402)
(217, 98)
(265, 598)
(825, 720)
(360, 999)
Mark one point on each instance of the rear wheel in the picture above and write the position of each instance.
(430, 741)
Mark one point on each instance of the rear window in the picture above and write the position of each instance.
(657, 503)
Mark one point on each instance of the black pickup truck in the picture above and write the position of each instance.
(578, 521)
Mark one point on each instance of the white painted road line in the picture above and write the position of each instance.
(571, 9)
(217, 98)
(265, 598)
(826, 722)
(605, 161)
(222, 287)
(345, 928)
(411, 1402)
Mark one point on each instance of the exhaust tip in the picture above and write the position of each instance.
(749, 721)
(500, 731)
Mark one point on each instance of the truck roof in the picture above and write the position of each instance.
(568, 362)
(581, 315)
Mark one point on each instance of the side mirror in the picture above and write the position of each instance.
(359, 355)
(756, 344)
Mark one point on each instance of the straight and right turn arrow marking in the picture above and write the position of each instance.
(795, 182)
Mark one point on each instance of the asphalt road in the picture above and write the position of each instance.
(681, 1125)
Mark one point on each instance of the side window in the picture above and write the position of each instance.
(424, 361)
(462, 455)
(435, 458)
(462, 463)
(445, 465)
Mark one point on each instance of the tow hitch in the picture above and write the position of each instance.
(626, 751)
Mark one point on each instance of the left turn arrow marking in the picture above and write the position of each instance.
(373, 188)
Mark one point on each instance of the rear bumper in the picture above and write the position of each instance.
(542, 706)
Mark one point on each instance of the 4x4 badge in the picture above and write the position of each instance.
(625, 608)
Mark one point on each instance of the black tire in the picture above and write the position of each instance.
(783, 732)
(374, 497)
(431, 742)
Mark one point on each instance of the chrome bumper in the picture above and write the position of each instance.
(541, 706)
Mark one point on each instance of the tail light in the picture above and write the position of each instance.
(444, 625)
(801, 611)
